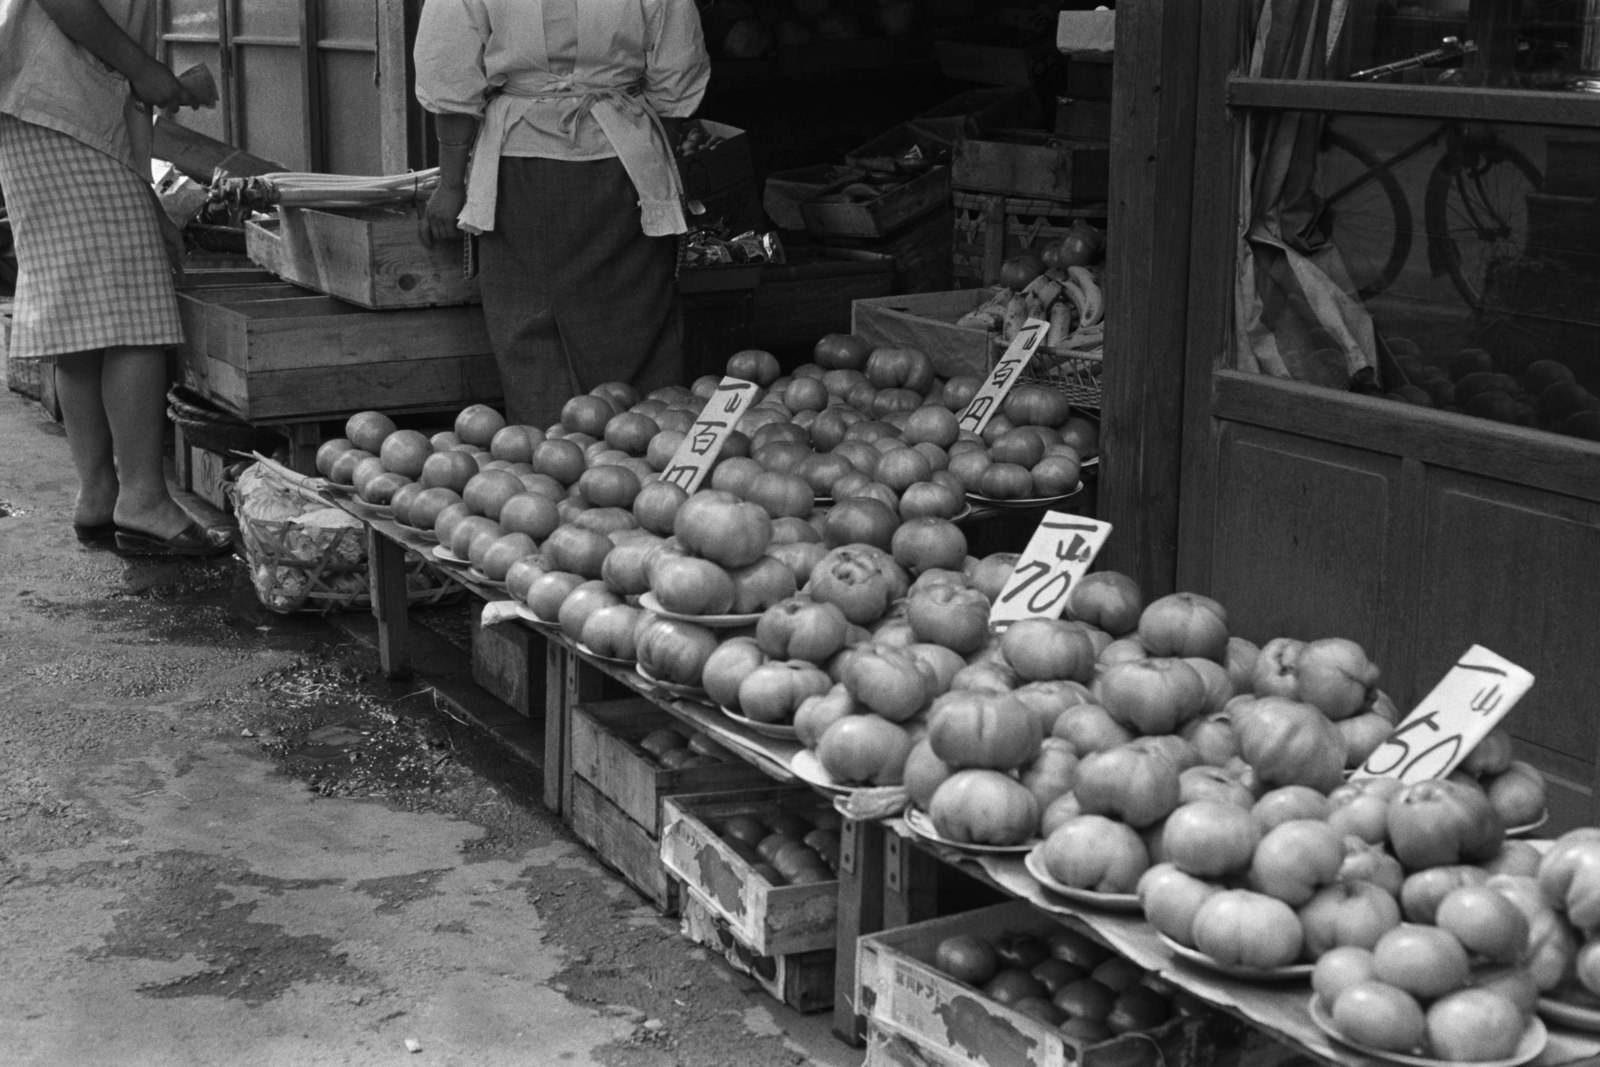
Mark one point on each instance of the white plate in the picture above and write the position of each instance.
(1533, 1041)
(592, 654)
(483, 579)
(810, 770)
(443, 554)
(1250, 974)
(1109, 901)
(688, 692)
(1518, 831)
(1574, 1016)
(527, 615)
(649, 602)
(1024, 502)
(782, 730)
(922, 826)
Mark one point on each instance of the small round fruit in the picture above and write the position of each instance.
(1474, 1024)
(1485, 922)
(1424, 961)
(1381, 1016)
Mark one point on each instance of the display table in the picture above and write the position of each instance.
(886, 872)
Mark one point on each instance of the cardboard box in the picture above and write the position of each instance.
(371, 257)
(902, 993)
(927, 322)
(1032, 164)
(770, 920)
(269, 353)
(724, 164)
(802, 980)
(1091, 33)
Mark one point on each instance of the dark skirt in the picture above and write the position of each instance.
(574, 293)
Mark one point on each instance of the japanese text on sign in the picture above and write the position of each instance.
(1004, 376)
(703, 443)
(1463, 707)
(1058, 554)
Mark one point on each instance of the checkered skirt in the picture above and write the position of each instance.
(92, 270)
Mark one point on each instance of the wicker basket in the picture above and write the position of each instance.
(209, 427)
(302, 563)
(1077, 374)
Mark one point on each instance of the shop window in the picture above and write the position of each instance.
(1449, 261)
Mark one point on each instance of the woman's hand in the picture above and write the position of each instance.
(157, 87)
(438, 221)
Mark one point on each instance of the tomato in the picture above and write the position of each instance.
(971, 729)
(1209, 838)
(889, 681)
(1352, 914)
(1138, 1008)
(815, 714)
(1152, 696)
(801, 628)
(865, 750)
(1021, 269)
(723, 528)
(1290, 743)
(841, 351)
(967, 958)
(1009, 986)
(1020, 951)
(862, 581)
(1095, 853)
(773, 691)
(1245, 928)
(1434, 823)
(1140, 787)
(983, 807)
(1051, 772)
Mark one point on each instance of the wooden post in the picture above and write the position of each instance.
(910, 880)
(386, 579)
(1147, 276)
(568, 680)
(860, 912)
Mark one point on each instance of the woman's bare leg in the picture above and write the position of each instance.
(134, 392)
(78, 389)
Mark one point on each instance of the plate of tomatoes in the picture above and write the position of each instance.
(1034, 862)
(1291, 973)
(921, 825)
(1528, 1047)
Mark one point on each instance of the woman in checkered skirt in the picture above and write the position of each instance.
(96, 253)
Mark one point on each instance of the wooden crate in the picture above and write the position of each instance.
(1083, 120)
(901, 993)
(279, 353)
(897, 206)
(990, 228)
(977, 111)
(371, 257)
(725, 164)
(769, 920)
(606, 754)
(621, 844)
(1032, 165)
(802, 980)
(927, 322)
(811, 294)
(922, 251)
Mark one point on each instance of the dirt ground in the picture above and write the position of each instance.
(226, 839)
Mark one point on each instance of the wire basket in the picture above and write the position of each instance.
(314, 561)
(1075, 373)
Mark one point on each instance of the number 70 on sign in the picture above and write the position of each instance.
(1058, 554)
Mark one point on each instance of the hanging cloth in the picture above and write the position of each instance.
(1296, 312)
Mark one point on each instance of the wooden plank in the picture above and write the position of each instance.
(395, 154)
(802, 980)
(508, 661)
(557, 756)
(1032, 164)
(1149, 214)
(386, 575)
(1420, 101)
(1514, 454)
(330, 391)
(584, 684)
(621, 844)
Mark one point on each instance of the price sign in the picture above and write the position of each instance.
(1462, 708)
(1004, 376)
(703, 443)
(1058, 554)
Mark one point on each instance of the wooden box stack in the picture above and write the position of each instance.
(781, 934)
(618, 789)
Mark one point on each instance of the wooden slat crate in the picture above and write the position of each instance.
(895, 208)
(372, 257)
(990, 228)
(769, 920)
(940, 1021)
(617, 789)
(811, 294)
(802, 980)
(1033, 164)
(278, 352)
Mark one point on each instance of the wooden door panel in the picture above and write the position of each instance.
(1302, 537)
(1513, 569)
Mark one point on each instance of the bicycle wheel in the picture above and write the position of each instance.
(1476, 212)
(1366, 212)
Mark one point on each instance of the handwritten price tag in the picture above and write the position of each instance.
(1004, 376)
(703, 443)
(1462, 708)
(1058, 554)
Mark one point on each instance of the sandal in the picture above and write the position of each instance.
(96, 534)
(192, 540)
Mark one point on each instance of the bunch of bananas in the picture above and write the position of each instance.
(1070, 299)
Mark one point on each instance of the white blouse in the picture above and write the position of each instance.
(566, 79)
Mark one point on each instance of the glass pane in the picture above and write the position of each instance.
(269, 18)
(1453, 265)
(192, 18)
(349, 20)
(1529, 44)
